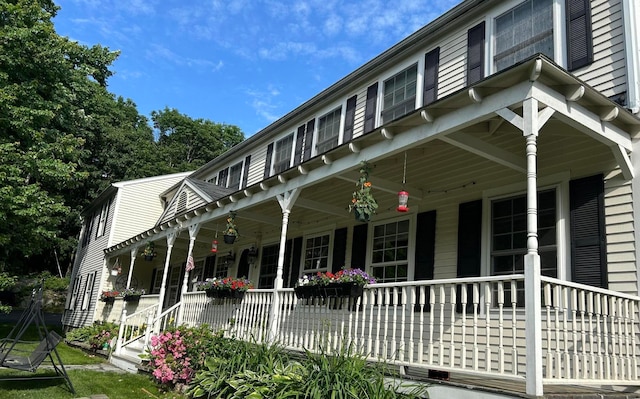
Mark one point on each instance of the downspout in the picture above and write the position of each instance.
(631, 16)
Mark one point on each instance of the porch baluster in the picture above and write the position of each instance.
(487, 325)
(412, 304)
(574, 333)
(463, 327)
(598, 348)
(547, 306)
(633, 325)
(403, 349)
(441, 340)
(514, 324)
(432, 311)
(476, 303)
(369, 305)
(556, 309)
(565, 328)
(452, 346)
(605, 336)
(501, 327)
(392, 351)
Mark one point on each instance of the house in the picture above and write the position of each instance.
(123, 209)
(513, 127)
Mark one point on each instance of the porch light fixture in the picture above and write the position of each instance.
(403, 196)
(252, 256)
(214, 246)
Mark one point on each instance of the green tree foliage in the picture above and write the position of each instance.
(188, 143)
(64, 137)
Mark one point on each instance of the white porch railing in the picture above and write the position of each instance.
(470, 325)
(134, 326)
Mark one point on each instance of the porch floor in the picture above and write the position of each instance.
(516, 388)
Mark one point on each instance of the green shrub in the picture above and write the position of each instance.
(98, 335)
(6, 282)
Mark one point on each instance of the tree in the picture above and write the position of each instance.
(43, 80)
(187, 143)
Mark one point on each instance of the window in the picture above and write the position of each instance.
(328, 131)
(316, 253)
(223, 265)
(399, 94)
(509, 237)
(268, 266)
(235, 174)
(104, 213)
(390, 251)
(282, 157)
(524, 30)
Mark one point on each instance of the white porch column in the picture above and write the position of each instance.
(171, 239)
(134, 253)
(193, 233)
(286, 202)
(532, 258)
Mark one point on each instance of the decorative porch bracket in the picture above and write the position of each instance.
(134, 253)
(286, 201)
(194, 229)
(171, 239)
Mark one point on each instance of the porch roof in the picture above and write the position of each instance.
(486, 105)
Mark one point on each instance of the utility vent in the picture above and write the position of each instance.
(181, 206)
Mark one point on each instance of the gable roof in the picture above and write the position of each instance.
(196, 193)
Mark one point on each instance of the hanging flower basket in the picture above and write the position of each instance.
(363, 204)
(230, 231)
(229, 239)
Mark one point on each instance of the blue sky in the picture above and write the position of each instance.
(241, 62)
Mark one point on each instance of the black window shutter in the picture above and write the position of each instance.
(425, 245)
(267, 164)
(475, 53)
(349, 119)
(299, 143)
(153, 281)
(359, 246)
(243, 264)
(222, 177)
(209, 266)
(308, 139)
(296, 254)
(245, 173)
(431, 66)
(579, 34)
(469, 246)
(370, 108)
(588, 238)
(339, 249)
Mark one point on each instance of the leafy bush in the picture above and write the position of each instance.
(98, 335)
(264, 372)
(6, 281)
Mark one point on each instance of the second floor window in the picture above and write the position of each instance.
(328, 131)
(282, 157)
(524, 30)
(235, 173)
(102, 223)
(399, 94)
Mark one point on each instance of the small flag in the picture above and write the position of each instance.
(190, 264)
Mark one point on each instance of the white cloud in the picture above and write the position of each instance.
(264, 102)
(157, 52)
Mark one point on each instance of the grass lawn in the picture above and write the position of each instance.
(86, 382)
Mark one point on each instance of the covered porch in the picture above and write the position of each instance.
(458, 291)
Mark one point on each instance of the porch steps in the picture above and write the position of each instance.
(129, 357)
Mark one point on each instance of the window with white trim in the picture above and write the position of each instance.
(399, 94)
(102, 223)
(282, 156)
(316, 253)
(268, 266)
(509, 237)
(328, 130)
(235, 174)
(88, 225)
(390, 251)
(522, 31)
(223, 264)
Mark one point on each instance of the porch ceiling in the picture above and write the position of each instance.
(448, 138)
